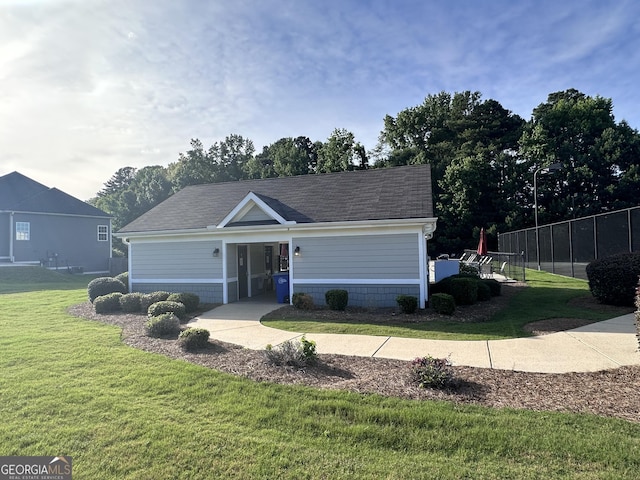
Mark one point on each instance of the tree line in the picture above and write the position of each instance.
(483, 159)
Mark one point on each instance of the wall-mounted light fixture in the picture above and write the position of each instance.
(216, 252)
(296, 252)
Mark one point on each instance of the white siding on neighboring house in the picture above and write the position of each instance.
(384, 257)
(176, 260)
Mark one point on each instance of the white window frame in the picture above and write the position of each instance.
(103, 236)
(23, 231)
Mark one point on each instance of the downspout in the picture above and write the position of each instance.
(11, 257)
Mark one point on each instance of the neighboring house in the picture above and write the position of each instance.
(45, 226)
(361, 231)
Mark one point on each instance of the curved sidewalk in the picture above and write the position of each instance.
(599, 346)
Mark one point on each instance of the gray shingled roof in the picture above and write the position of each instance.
(375, 194)
(21, 194)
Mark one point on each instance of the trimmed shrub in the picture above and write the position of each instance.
(162, 325)
(191, 301)
(293, 353)
(337, 299)
(443, 303)
(149, 299)
(429, 372)
(494, 285)
(407, 303)
(166, 306)
(130, 302)
(469, 270)
(193, 339)
(124, 278)
(484, 291)
(464, 290)
(613, 280)
(104, 286)
(107, 303)
(303, 301)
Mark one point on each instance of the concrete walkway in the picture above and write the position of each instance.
(599, 346)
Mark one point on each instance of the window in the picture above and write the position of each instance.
(23, 230)
(103, 233)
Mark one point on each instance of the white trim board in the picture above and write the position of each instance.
(359, 281)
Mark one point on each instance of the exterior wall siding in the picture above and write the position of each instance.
(5, 233)
(358, 256)
(180, 260)
(368, 296)
(208, 292)
(66, 240)
(254, 215)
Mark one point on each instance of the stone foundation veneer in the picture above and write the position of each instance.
(368, 296)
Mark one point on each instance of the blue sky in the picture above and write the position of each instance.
(88, 87)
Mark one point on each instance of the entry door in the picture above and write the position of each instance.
(243, 281)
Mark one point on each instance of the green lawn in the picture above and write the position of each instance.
(548, 296)
(70, 387)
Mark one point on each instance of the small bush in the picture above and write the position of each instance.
(484, 291)
(303, 301)
(471, 270)
(613, 280)
(107, 303)
(494, 285)
(337, 299)
(293, 353)
(151, 298)
(124, 278)
(193, 339)
(429, 372)
(191, 301)
(130, 302)
(162, 325)
(407, 303)
(104, 286)
(166, 306)
(443, 303)
(464, 290)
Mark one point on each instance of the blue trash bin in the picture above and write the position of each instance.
(282, 286)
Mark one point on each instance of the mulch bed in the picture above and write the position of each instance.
(611, 393)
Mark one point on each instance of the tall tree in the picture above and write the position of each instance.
(597, 154)
(341, 153)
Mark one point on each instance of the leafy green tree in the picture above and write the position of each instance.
(341, 153)
(599, 156)
(285, 157)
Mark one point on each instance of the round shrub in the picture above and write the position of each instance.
(337, 299)
(193, 339)
(162, 325)
(302, 301)
(104, 286)
(150, 298)
(494, 285)
(613, 280)
(166, 306)
(191, 301)
(443, 303)
(484, 291)
(107, 303)
(464, 290)
(130, 302)
(407, 303)
(124, 278)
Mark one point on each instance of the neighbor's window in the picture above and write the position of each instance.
(103, 233)
(23, 230)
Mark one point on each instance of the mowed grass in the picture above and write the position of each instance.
(69, 386)
(547, 296)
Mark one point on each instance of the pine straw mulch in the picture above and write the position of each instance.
(610, 393)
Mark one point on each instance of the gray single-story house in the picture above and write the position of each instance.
(364, 231)
(45, 226)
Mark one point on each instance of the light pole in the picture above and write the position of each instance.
(552, 167)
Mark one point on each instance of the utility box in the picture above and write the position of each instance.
(439, 269)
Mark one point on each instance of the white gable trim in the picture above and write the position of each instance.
(247, 204)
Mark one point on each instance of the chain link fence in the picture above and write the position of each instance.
(566, 248)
